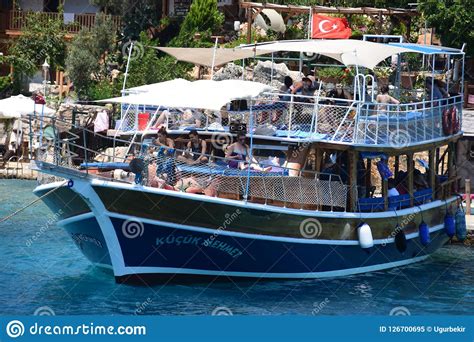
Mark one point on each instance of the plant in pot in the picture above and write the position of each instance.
(382, 74)
(331, 74)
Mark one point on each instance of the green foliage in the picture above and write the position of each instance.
(86, 61)
(149, 68)
(137, 16)
(331, 72)
(452, 19)
(42, 38)
(5, 83)
(204, 18)
(103, 89)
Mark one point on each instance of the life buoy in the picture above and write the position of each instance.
(450, 120)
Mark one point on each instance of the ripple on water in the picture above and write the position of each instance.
(52, 272)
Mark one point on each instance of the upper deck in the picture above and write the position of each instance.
(422, 117)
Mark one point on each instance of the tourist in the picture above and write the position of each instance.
(196, 148)
(338, 93)
(238, 155)
(384, 98)
(392, 189)
(432, 90)
(162, 139)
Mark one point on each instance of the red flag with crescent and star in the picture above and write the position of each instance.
(330, 27)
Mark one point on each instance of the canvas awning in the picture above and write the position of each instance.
(346, 51)
(203, 94)
(16, 106)
(204, 56)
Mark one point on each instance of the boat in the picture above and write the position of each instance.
(303, 203)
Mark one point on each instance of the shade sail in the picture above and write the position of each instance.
(204, 56)
(203, 94)
(346, 51)
(16, 106)
(429, 49)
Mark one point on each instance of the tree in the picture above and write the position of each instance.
(86, 59)
(137, 16)
(42, 38)
(203, 17)
(146, 67)
(453, 21)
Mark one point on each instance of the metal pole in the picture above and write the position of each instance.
(310, 23)
(468, 196)
(250, 153)
(271, 75)
(214, 58)
(126, 69)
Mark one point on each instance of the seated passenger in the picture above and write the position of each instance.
(305, 87)
(162, 139)
(392, 190)
(286, 88)
(196, 148)
(338, 93)
(239, 155)
(385, 98)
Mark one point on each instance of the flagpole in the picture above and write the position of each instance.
(310, 23)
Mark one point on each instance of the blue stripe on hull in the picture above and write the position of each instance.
(88, 237)
(156, 246)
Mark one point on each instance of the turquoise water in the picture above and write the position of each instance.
(51, 272)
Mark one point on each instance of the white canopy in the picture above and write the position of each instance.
(204, 56)
(16, 106)
(346, 51)
(203, 94)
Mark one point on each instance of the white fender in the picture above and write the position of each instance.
(365, 236)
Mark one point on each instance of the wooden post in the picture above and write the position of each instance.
(61, 81)
(353, 156)
(397, 166)
(318, 157)
(368, 177)
(249, 25)
(432, 172)
(385, 194)
(468, 196)
(410, 170)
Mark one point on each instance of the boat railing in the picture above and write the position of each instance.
(79, 151)
(319, 118)
(401, 125)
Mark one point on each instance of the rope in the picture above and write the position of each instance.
(31, 203)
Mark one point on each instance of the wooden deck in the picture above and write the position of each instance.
(13, 22)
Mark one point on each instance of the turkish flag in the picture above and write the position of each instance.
(330, 27)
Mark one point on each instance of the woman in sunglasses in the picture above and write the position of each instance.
(238, 155)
